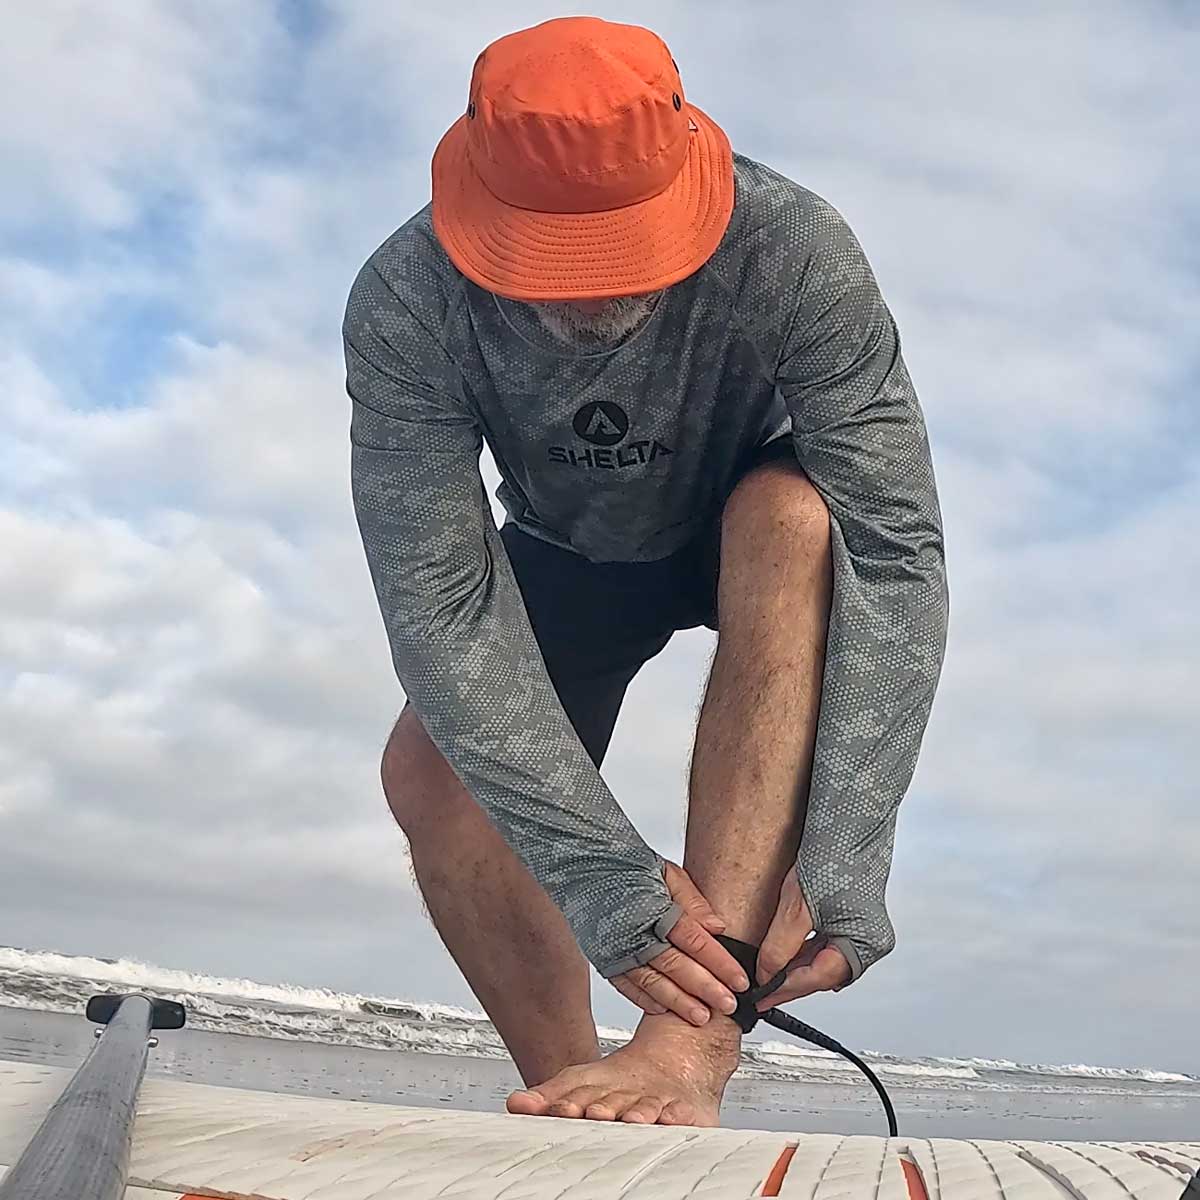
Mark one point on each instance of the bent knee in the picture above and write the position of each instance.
(779, 498)
(417, 781)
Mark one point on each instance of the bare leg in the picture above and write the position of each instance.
(749, 784)
(754, 742)
(510, 942)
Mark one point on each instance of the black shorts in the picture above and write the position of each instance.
(597, 623)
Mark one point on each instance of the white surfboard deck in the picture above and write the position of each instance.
(195, 1140)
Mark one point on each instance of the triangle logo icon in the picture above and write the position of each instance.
(601, 426)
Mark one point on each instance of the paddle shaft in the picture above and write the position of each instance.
(81, 1149)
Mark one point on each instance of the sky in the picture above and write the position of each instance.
(195, 684)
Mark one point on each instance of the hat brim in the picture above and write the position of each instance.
(526, 255)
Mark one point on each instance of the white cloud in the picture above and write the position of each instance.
(105, 110)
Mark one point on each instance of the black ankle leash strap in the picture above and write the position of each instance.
(747, 1016)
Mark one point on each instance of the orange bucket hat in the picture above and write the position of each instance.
(579, 171)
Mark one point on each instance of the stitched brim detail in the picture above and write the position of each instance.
(526, 255)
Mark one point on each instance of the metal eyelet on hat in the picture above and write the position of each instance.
(675, 100)
(471, 111)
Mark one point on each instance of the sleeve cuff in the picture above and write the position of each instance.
(851, 955)
(662, 927)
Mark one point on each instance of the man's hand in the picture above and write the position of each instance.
(815, 966)
(693, 979)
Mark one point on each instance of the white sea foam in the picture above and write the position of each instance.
(1077, 1070)
(983, 1064)
(1087, 1072)
(132, 974)
(801, 1058)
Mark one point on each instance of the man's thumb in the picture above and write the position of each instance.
(773, 954)
(688, 896)
(785, 938)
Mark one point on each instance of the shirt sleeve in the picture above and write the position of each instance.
(462, 644)
(860, 436)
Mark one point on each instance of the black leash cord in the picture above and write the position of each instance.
(747, 1016)
(800, 1029)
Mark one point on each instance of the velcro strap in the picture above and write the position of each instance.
(747, 1014)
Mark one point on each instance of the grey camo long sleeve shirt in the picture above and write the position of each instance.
(782, 331)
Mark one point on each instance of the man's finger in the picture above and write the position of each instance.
(698, 944)
(669, 994)
(696, 980)
(803, 959)
(688, 896)
(785, 938)
(636, 995)
(828, 970)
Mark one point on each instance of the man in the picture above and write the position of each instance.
(695, 397)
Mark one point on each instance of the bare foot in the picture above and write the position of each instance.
(671, 1073)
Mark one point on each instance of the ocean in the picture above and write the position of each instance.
(279, 1038)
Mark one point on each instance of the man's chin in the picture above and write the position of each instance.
(583, 338)
(571, 327)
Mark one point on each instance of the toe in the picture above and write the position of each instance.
(528, 1104)
(610, 1106)
(575, 1101)
(644, 1111)
(678, 1112)
(536, 1101)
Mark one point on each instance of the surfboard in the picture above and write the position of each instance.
(197, 1140)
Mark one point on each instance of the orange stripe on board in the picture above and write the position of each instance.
(778, 1171)
(912, 1176)
(221, 1196)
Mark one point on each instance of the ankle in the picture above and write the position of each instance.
(716, 1046)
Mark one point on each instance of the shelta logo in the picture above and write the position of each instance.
(602, 423)
(610, 460)
(605, 425)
